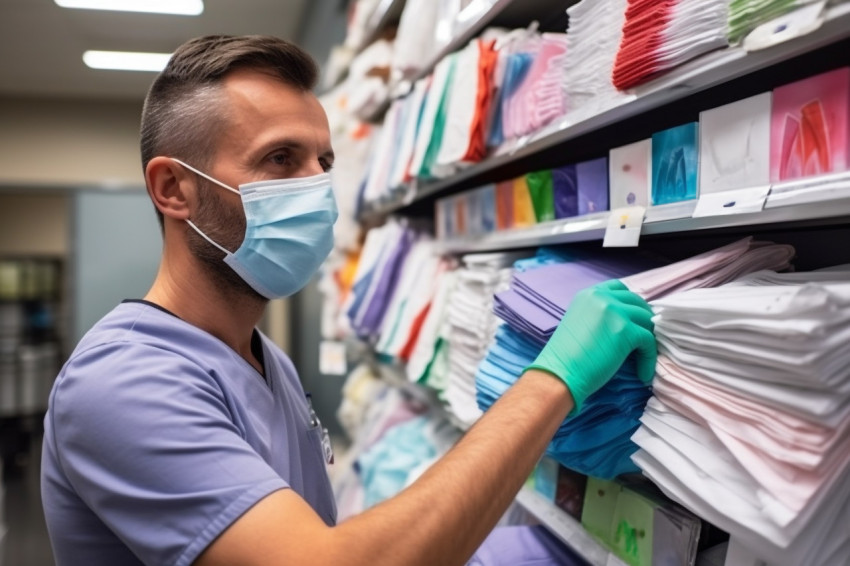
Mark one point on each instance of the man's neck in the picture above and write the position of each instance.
(183, 287)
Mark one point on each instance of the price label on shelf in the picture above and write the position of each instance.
(624, 226)
(739, 201)
(332, 359)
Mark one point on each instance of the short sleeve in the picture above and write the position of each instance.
(146, 439)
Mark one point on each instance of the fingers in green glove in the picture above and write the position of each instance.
(612, 285)
(630, 298)
(642, 342)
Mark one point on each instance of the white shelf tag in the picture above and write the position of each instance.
(739, 201)
(624, 226)
(332, 358)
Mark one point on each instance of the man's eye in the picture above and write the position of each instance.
(280, 159)
(326, 166)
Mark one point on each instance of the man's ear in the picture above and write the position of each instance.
(170, 187)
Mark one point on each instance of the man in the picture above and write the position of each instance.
(178, 434)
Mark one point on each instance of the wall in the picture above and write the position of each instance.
(116, 251)
(69, 143)
(34, 224)
(322, 28)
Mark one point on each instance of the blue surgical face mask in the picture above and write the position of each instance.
(288, 232)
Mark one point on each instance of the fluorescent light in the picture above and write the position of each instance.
(179, 7)
(126, 60)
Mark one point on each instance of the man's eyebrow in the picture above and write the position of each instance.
(293, 143)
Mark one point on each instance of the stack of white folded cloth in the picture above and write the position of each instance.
(593, 39)
(472, 325)
(750, 423)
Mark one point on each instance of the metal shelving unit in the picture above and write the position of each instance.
(827, 201)
(700, 74)
(567, 528)
(387, 12)
(823, 201)
(474, 19)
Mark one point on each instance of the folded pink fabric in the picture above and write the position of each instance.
(790, 457)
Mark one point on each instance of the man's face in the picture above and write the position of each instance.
(272, 131)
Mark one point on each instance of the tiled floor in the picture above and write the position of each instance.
(26, 543)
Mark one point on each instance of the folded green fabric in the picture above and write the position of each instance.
(746, 15)
(542, 194)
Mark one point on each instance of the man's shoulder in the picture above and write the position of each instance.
(142, 327)
(137, 348)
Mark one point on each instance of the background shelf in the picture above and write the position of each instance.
(822, 202)
(698, 75)
(567, 528)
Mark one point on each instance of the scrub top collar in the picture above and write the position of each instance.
(256, 340)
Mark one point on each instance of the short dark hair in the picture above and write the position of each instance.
(182, 116)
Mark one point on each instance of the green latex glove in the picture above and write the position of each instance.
(604, 324)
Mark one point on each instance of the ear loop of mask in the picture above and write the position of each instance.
(207, 238)
(220, 184)
(207, 177)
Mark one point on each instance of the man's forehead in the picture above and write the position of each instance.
(263, 106)
(261, 93)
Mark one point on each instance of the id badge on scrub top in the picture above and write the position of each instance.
(327, 449)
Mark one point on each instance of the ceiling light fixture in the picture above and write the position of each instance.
(178, 7)
(126, 60)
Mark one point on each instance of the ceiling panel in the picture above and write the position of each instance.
(41, 44)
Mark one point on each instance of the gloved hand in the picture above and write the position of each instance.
(603, 325)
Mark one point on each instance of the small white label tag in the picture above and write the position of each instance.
(739, 201)
(624, 226)
(332, 358)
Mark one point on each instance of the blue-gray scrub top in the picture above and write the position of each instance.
(159, 436)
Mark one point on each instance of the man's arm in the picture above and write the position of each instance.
(446, 514)
(440, 519)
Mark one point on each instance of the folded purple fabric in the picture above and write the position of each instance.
(565, 190)
(538, 298)
(524, 546)
(385, 286)
(592, 179)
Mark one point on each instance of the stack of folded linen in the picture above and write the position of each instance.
(596, 441)
(471, 326)
(658, 36)
(410, 301)
(593, 38)
(539, 97)
(381, 261)
(750, 424)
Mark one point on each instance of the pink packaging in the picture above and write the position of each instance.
(810, 127)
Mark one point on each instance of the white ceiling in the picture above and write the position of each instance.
(41, 44)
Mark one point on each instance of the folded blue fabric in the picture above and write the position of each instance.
(596, 441)
(384, 467)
